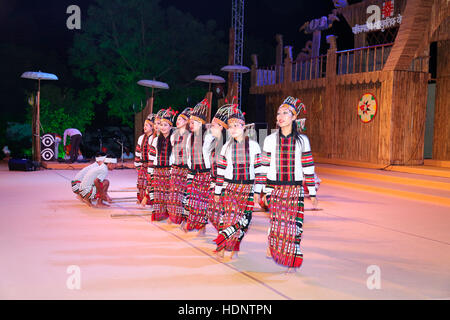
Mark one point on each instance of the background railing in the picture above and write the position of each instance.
(365, 59)
(309, 69)
(270, 75)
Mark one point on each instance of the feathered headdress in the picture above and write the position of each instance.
(169, 116)
(222, 114)
(150, 118)
(160, 113)
(186, 113)
(295, 105)
(200, 111)
(236, 115)
(301, 125)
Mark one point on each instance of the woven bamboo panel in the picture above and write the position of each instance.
(441, 136)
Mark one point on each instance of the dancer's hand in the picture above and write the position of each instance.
(265, 200)
(256, 198)
(216, 198)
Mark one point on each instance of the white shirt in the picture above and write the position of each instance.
(80, 175)
(71, 132)
(99, 172)
(254, 168)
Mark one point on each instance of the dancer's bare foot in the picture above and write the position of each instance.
(101, 204)
(201, 232)
(268, 253)
(183, 226)
(79, 197)
(87, 201)
(220, 254)
(291, 270)
(234, 254)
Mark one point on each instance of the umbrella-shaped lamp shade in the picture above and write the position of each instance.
(38, 75)
(210, 78)
(236, 68)
(153, 84)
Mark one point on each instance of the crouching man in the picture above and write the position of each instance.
(94, 186)
(76, 182)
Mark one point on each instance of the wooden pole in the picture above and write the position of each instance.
(150, 104)
(37, 137)
(209, 97)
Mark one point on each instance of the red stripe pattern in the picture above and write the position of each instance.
(177, 190)
(161, 179)
(197, 201)
(286, 225)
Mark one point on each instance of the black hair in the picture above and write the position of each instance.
(160, 141)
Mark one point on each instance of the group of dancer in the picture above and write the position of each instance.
(192, 173)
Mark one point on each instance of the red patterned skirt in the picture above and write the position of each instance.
(160, 183)
(197, 202)
(178, 186)
(286, 224)
(142, 181)
(214, 210)
(237, 205)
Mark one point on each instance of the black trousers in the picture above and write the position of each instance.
(75, 142)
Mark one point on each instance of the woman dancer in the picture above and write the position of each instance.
(239, 179)
(198, 145)
(141, 160)
(179, 172)
(218, 123)
(287, 158)
(160, 152)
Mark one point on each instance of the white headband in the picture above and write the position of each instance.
(110, 160)
(100, 158)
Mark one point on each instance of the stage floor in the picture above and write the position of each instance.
(395, 223)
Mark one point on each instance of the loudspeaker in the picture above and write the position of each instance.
(48, 147)
(21, 165)
(256, 108)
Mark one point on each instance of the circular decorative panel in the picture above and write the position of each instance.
(367, 107)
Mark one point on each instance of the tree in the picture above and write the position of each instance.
(63, 108)
(122, 42)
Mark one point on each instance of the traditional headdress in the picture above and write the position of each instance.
(235, 115)
(169, 116)
(200, 111)
(295, 105)
(150, 118)
(159, 114)
(186, 113)
(222, 115)
(301, 125)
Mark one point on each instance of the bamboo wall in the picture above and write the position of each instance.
(396, 134)
(441, 137)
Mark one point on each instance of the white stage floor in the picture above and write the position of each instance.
(44, 229)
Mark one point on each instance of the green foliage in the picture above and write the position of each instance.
(18, 138)
(122, 42)
(63, 108)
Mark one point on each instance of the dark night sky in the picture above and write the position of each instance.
(40, 27)
(42, 23)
